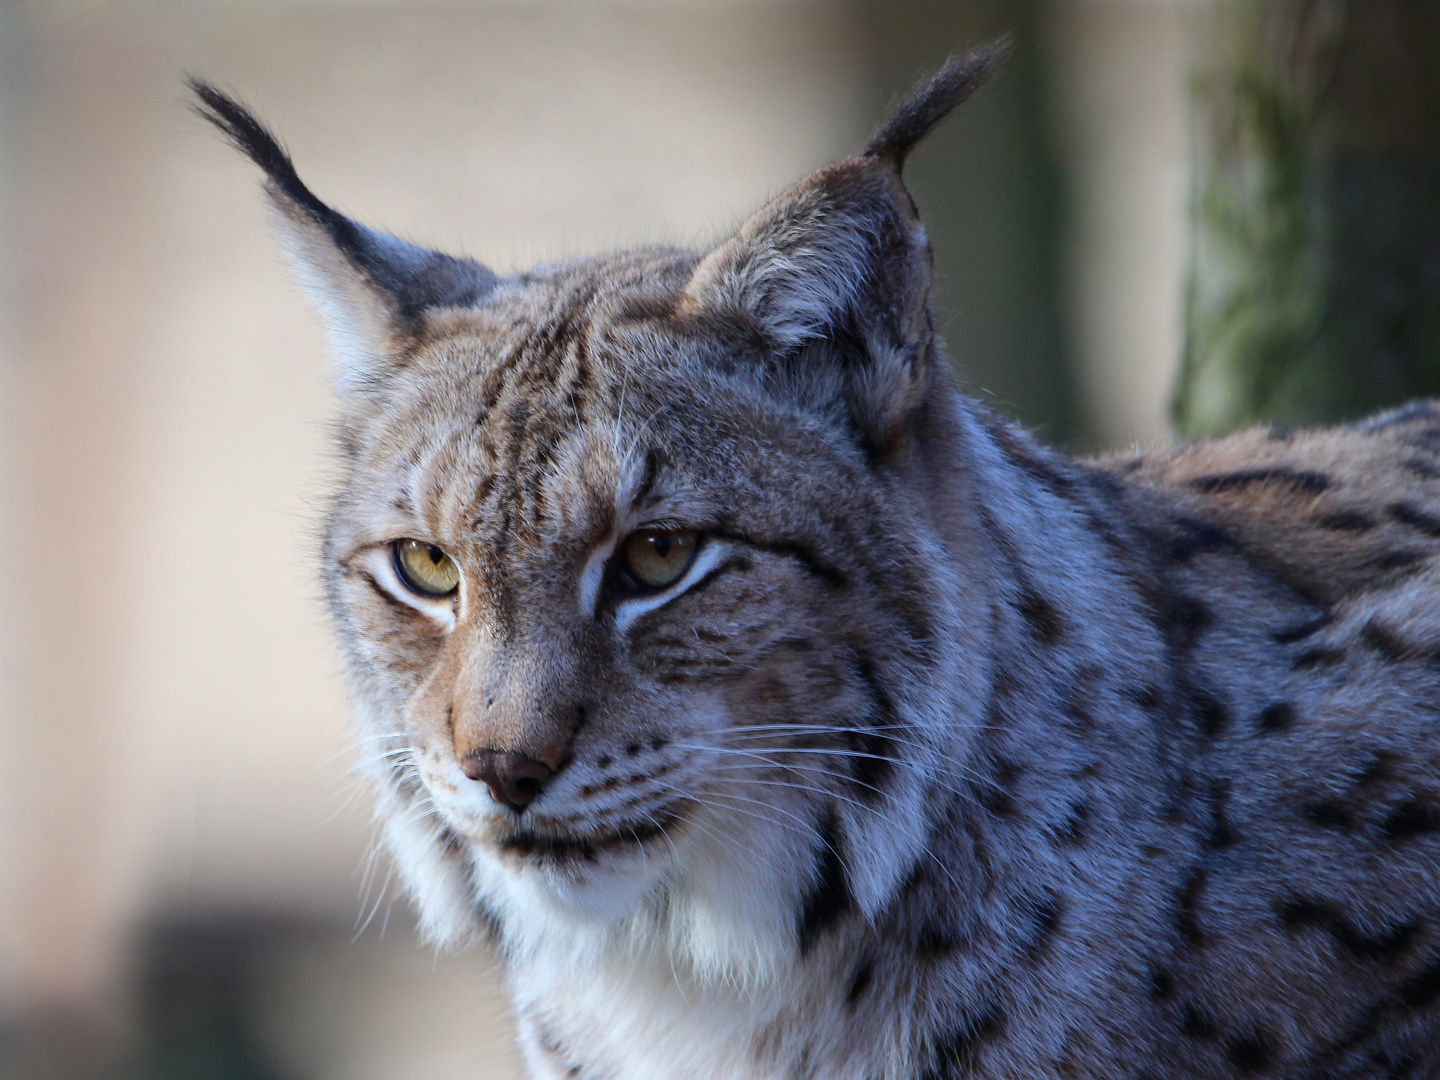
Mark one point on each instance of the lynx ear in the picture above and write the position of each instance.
(835, 273)
(372, 289)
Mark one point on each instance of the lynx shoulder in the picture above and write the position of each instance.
(779, 712)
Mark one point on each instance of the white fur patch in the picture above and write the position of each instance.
(380, 564)
(706, 560)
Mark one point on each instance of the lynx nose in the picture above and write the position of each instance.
(513, 779)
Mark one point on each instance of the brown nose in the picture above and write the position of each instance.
(513, 779)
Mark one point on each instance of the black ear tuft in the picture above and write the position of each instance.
(253, 139)
(412, 277)
(928, 104)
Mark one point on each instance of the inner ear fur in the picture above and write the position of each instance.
(837, 270)
(372, 289)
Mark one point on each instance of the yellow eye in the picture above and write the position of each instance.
(425, 568)
(655, 558)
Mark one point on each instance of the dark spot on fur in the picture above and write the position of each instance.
(1045, 914)
(875, 750)
(954, 1052)
(1079, 697)
(1251, 1053)
(1148, 696)
(1182, 619)
(1385, 947)
(1377, 769)
(1410, 819)
(1211, 715)
(1369, 1022)
(998, 795)
(1304, 913)
(1181, 795)
(1397, 560)
(1196, 1024)
(1300, 631)
(562, 1057)
(918, 876)
(1074, 830)
(1384, 641)
(1318, 658)
(1277, 717)
(936, 942)
(1328, 814)
(604, 761)
(1195, 537)
(1348, 521)
(1162, 984)
(1221, 834)
(647, 481)
(829, 898)
(1421, 468)
(1421, 988)
(1186, 916)
(1298, 481)
(1044, 620)
(450, 841)
(859, 980)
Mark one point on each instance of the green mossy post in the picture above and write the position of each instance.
(1314, 290)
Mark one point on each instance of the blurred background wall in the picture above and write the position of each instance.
(186, 880)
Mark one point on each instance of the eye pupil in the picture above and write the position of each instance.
(662, 546)
(436, 555)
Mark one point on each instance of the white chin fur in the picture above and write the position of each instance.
(703, 906)
(606, 891)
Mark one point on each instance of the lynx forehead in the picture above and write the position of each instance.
(779, 712)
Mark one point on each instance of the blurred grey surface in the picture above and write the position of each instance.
(184, 859)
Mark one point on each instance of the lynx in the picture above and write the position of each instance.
(777, 711)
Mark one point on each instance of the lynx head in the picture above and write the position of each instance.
(642, 562)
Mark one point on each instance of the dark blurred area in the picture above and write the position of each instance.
(1163, 218)
(1315, 290)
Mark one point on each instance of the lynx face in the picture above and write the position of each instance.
(659, 644)
(638, 566)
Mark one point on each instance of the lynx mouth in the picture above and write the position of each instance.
(588, 847)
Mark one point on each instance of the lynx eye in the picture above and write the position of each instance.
(655, 558)
(425, 569)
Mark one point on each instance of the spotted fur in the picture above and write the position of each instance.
(949, 756)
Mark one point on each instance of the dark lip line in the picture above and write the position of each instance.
(537, 845)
